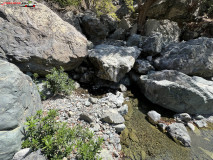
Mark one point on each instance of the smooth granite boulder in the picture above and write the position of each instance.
(19, 99)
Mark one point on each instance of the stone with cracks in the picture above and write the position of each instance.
(113, 62)
(179, 134)
(178, 92)
(38, 39)
(19, 99)
(194, 57)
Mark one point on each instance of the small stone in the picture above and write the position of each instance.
(77, 85)
(123, 110)
(200, 123)
(199, 117)
(105, 137)
(112, 118)
(65, 158)
(21, 154)
(179, 134)
(162, 127)
(86, 117)
(119, 128)
(70, 113)
(122, 88)
(105, 154)
(96, 127)
(87, 103)
(191, 126)
(93, 100)
(182, 117)
(153, 117)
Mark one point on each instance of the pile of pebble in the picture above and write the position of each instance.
(103, 116)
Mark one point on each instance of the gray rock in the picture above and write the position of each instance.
(154, 117)
(169, 30)
(37, 155)
(162, 127)
(96, 127)
(119, 34)
(37, 43)
(73, 20)
(134, 40)
(112, 118)
(176, 10)
(200, 123)
(122, 88)
(77, 85)
(123, 109)
(134, 29)
(178, 92)
(191, 126)
(142, 66)
(86, 117)
(179, 134)
(21, 154)
(119, 128)
(20, 100)
(93, 100)
(117, 98)
(193, 57)
(152, 45)
(124, 24)
(198, 117)
(95, 30)
(87, 103)
(113, 62)
(106, 155)
(184, 117)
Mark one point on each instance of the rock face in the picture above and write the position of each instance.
(169, 30)
(176, 10)
(179, 133)
(194, 57)
(20, 99)
(38, 40)
(113, 62)
(94, 28)
(178, 92)
(143, 66)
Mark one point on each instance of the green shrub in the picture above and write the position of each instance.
(56, 140)
(65, 3)
(35, 80)
(59, 82)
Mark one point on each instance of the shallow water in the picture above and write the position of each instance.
(141, 140)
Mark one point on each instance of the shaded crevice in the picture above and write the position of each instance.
(2, 15)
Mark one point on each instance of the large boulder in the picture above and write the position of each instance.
(178, 92)
(113, 62)
(19, 99)
(38, 39)
(176, 10)
(169, 29)
(94, 29)
(194, 57)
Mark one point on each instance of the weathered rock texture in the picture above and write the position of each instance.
(179, 134)
(169, 29)
(38, 39)
(194, 57)
(178, 92)
(113, 62)
(19, 99)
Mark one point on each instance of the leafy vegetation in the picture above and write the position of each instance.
(56, 140)
(59, 82)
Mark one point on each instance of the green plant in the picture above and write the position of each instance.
(56, 140)
(35, 80)
(65, 3)
(59, 82)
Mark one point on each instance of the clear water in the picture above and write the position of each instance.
(141, 140)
